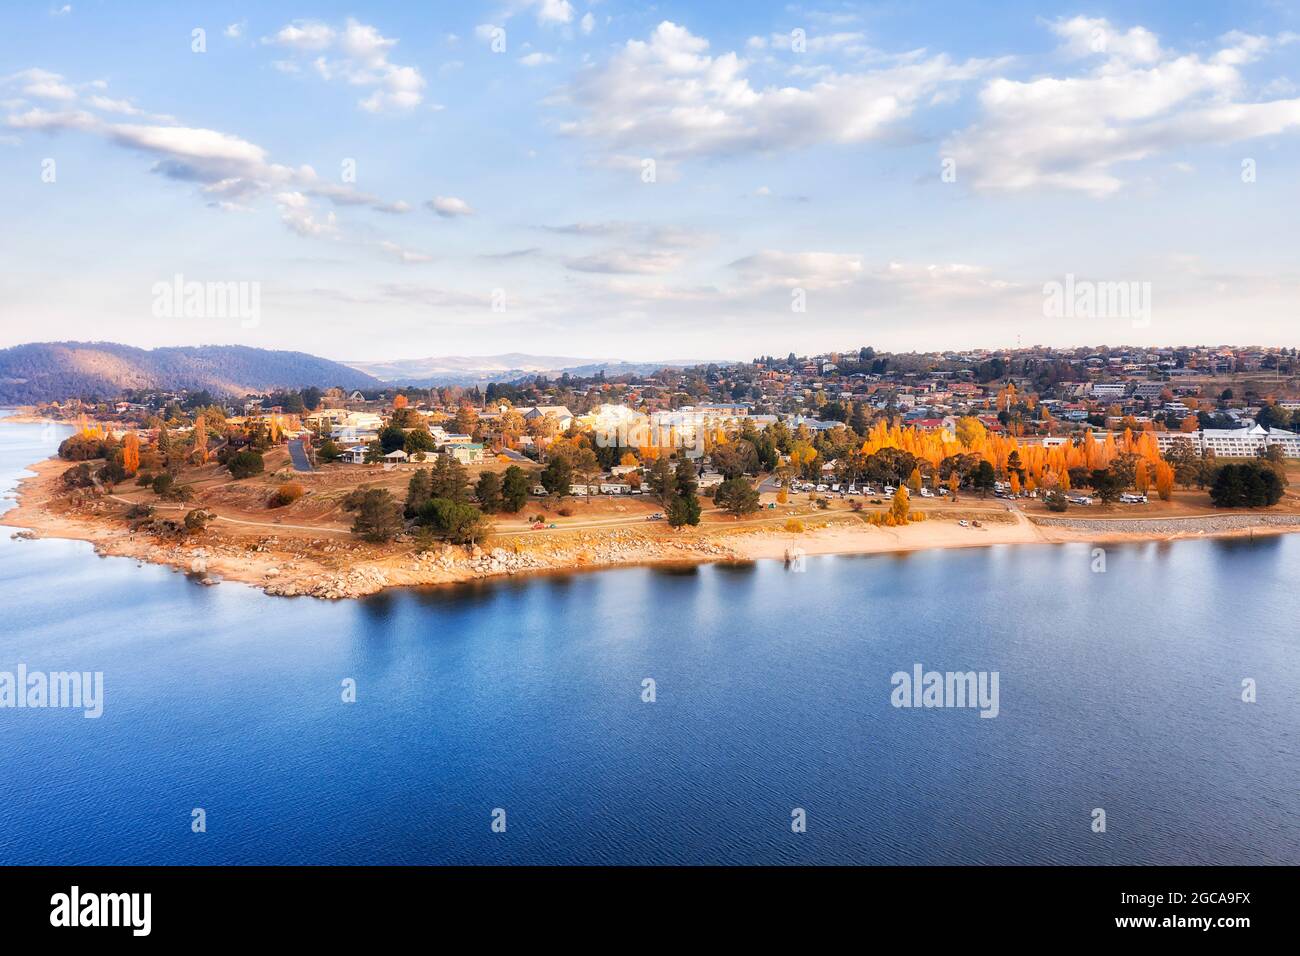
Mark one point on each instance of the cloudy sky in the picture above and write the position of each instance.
(676, 180)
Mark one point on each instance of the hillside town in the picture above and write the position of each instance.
(1225, 401)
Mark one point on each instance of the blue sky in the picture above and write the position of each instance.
(500, 200)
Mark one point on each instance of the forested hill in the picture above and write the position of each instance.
(55, 371)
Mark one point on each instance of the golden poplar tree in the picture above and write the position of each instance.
(131, 453)
(201, 439)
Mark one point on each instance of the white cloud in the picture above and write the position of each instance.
(647, 234)
(625, 262)
(668, 97)
(402, 254)
(297, 213)
(536, 59)
(449, 207)
(358, 53)
(1070, 132)
(850, 43)
(304, 35)
(229, 172)
(235, 30)
(588, 22)
(553, 11)
(1085, 37)
(42, 84)
(808, 270)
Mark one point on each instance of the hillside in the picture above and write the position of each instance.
(53, 371)
(508, 367)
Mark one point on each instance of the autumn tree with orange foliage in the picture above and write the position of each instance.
(1164, 480)
(131, 453)
(200, 440)
(901, 505)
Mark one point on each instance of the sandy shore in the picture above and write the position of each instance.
(26, 415)
(327, 563)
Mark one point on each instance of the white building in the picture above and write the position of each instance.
(561, 414)
(1108, 390)
(467, 453)
(1234, 442)
(358, 426)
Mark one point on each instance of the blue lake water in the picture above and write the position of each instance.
(1118, 690)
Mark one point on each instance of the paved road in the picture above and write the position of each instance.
(298, 455)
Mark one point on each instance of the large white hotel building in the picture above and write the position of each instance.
(1235, 442)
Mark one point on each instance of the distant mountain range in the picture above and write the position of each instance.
(468, 370)
(54, 371)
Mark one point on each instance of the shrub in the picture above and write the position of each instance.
(140, 510)
(794, 526)
(354, 499)
(144, 479)
(162, 484)
(197, 520)
(179, 493)
(81, 448)
(1056, 500)
(454, 521)
(1247, 485)
(1108, 485)
(165, 528)
(112, 472)
(564, 512)
(245, 464)
(286, 494)
(78, 476)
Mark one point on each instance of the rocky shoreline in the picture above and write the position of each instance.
(453, 564)
(1171, 527)
(292, 564)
